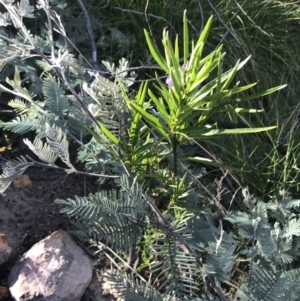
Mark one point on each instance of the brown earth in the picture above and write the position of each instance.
(29, 214)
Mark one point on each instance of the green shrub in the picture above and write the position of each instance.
(137, 145)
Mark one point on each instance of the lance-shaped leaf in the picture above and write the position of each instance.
(201, 133)
(210, 162)
(260, 94)
(155, 53)
(186, 40)
(155, 122)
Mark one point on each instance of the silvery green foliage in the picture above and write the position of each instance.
(55, 108)
(266, 236)
(121, 72)
(41, 101)
(274, 230)
(109, 105)
(175, 272)
(56, 146)
(117, 216)
(11, 169)
(267, 283)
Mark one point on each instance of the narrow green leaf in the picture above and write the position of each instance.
(243, 88)
(217, 132)
(204, 34)
(176, 49)
(213, 83)
(91, 131)
(165, 44)
(134, 125)
(219, 73)
(188, 115)
(160, 107)
(195, 59)
(240, 110)
(177, 86)
(155, 53)
(212, 54)
(109, 134)
(170, 53)
(185, 38)
(155, 122)
(260, 94)
(203, 74)
(98, 137)
(142, 93)
(171, 100)
(207, 161)
(230, 77)
(201, 99)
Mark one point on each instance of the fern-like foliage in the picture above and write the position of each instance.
(11, 169)
(118, 217)
(55, 100)
(188, 256)
(274, 242)
(56, 146)
(110, 107)
(268, 284)
(42, 150)
(23, 124)
(56, 108)
(22, 107)
(96, 158)
(59, 144)
(7, 54)
(220, 259)
(176, 269)
(130, 288)
(271, 230)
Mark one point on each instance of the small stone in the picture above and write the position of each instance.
(5, 249)
(4, 292)
(22, 181)
(54, 269)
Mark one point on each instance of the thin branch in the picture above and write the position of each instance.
(171, 19)
(202, 15)
(90, 34)
(129, 69)
(143, 13)
(36, 163)
(228, 29)
(148, 23)
(50, 30)
(3, 88)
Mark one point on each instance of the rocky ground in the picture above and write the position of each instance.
(28, 213)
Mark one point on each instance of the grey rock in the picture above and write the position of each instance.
(54, 269)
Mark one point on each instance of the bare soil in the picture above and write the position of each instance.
(29, 214)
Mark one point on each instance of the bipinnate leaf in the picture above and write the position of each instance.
(42, 150)
(59, 144)
(12, 169)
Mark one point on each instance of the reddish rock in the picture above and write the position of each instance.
(5, 249)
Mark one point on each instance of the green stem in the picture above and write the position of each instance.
(175, 159)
